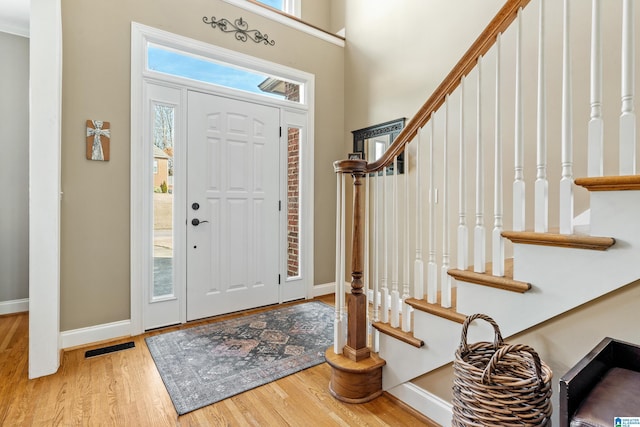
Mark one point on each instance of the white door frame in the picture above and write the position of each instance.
(141, 206)
(45, 122)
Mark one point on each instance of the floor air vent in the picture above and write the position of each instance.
(109, 349)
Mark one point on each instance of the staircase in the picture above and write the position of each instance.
(403, 312)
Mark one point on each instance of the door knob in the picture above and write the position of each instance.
(196, 221)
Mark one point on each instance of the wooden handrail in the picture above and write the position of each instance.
(480, 47)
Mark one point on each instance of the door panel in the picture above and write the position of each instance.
(233, 168)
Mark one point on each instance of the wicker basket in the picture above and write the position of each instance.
(498, 384)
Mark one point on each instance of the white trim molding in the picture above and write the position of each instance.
(14, 306)
(288, 21)
(323, 289)
(45, 118)
(428, 404)
(17, 30)
(94, 334)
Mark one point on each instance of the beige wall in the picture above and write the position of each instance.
(317, 13)
(562, 341)
(95, 286)
(14, 167)
(338, 8)
(398, 52)
(325, 14)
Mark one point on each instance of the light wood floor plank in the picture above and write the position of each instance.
(125, 389)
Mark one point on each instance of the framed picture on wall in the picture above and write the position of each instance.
(98, 140)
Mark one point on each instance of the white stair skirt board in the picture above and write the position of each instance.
(405, 362)
(428, 404)
(94, 334)
(14, 306)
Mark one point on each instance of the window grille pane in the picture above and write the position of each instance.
(163, 138)
(293, 202)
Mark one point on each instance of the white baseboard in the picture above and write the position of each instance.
(14, 306)
(323, 289)
(421, 400)
(92, 334)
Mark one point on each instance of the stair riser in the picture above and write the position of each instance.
(615, 214)
(405, 362)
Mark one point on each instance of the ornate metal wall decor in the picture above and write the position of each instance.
(241, 29)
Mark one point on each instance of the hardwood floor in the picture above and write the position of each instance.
(125, 389)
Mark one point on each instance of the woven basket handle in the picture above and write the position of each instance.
(497, 338)
(512, 348)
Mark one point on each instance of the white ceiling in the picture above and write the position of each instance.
(14, 17)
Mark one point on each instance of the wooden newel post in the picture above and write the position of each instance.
(356, 373)
(356, 348)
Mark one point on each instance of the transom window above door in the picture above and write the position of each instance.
(182, 64)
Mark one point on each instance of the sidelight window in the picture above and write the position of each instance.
(163, 206)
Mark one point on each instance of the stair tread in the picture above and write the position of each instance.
(505, 282)
(609, 183)
(579, 241)
(398, 333)
(438, 310)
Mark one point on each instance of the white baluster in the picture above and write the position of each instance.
(406, 308)
(445, 279)
(395, 261)
(497, 243)
(541, 216)
(432, 267)
(628, 116)
(377, 226)
(463, 232)
(418, 269)
(338, 339)
(479, 241)
(365, 272)
(596, 124)
(519, 183)
(384, 295)
(566, 182)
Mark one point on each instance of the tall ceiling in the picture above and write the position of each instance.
(14, 17)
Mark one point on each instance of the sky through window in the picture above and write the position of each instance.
(191, 67)
(276, 4)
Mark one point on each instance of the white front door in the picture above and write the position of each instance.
(233, 244)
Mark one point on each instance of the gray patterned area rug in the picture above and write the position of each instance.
(205, 364)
